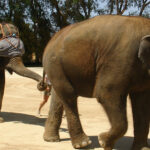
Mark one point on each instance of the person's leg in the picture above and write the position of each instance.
(47, 93)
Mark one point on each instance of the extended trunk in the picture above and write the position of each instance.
(16, 65)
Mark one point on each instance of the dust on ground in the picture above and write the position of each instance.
(23, 129)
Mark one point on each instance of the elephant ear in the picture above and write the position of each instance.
(144, 50)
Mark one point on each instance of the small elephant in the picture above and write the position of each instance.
(105, 57)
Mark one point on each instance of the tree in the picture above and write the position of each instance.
(41, 27)
(38, 20)
(119, 6)
(142, 5)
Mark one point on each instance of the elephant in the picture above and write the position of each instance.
(16, 65)
(11, 51)
(106, 57)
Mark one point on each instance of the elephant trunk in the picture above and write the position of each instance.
(16, 65)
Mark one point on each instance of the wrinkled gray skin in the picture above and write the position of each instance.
(106, 57)
(14, 65)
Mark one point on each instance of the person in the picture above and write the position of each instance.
(47, 93)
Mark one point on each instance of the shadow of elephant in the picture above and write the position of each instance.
(124, 143)
(26, 119)
(23, 118)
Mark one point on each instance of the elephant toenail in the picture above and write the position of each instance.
(89, 142)
(77, 146)
(145, 148)
(84, 143)
(102, 143)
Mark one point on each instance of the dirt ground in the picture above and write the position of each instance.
(23, 129)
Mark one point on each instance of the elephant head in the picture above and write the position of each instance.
(144, 51)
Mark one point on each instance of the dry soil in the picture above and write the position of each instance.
(23, 129)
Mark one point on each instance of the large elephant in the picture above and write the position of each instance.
(106, 57)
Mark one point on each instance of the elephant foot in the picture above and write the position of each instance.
(105, 142)
(140, 148)
(1, 120)
(145, 148)
(140, 145)
(81, 141)
(49, 137)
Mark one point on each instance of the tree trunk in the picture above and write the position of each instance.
(143, 7)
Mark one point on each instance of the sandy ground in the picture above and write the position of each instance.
(23, 129)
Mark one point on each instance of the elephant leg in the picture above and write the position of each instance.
(113, 99)
(68, 98)
(54, 119)
(141, 116)
(78, 137)
(115, 108)
(2, 86)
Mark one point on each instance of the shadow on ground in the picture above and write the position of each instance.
(23, 118)
(122, 144)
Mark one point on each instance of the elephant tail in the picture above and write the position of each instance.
(41, 86)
